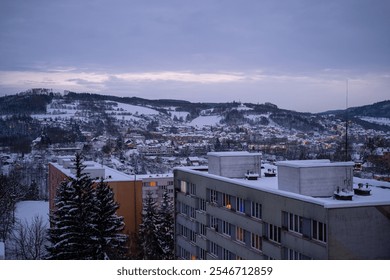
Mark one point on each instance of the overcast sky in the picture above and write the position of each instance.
(297, 54)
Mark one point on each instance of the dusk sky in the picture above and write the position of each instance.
(296, 54)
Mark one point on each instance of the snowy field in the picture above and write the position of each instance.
(206, 120)
(383, 121)
(133, 109)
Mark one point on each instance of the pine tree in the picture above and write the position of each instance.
(148, 231)
(73, 220)
(33, 191)
(166, 228)
(110, 242)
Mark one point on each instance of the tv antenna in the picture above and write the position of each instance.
(346, 122)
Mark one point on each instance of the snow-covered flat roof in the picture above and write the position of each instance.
(312, 163)
(232, 154)
(154, 176)
(380, 191)
(110, 174)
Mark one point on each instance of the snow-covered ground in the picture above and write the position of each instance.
(2, 251)
(383, 121)
(26, 211)
(205, 120)
(135, 109)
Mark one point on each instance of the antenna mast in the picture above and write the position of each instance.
(346, 122)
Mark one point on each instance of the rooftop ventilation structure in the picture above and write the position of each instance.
(234, 164)
(317, 178)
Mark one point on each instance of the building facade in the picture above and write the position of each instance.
(129, 190)
(221, 214)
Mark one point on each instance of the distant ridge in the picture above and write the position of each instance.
(35, 101)
(378, 110)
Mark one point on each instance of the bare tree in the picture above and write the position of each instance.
(27, 241)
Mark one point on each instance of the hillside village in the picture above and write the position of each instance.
(138, 136)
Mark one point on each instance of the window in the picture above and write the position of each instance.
(192, 213)
(240, 234)
(202, 229)
(226, 228)
(226, 254)
(255, 241)
(153, 184)
(295, 223)
(256, 210)
(273, 232)
(202, 254)
(213, 222)
(319, 231)
(291, 254)
(184, 209)
(184, 254)
(240, 205)
(192, 235)
(214, 249)
(192, 189)
(183, 186)
(213, 196)
(202, 204)
(226, 201)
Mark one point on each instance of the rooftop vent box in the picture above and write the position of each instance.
(234, 164)
(317, 178)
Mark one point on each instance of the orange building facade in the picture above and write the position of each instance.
(127, 189)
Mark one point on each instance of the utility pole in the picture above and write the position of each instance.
(346, 122)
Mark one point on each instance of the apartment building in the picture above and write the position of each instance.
(305, 210)
(129, 190)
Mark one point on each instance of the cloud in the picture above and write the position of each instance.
(72, 78)
(186, 77)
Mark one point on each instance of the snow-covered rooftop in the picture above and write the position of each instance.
(232, 154)
(312, 163)
(110, 174)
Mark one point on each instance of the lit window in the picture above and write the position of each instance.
(183, 186)
(153, 184)
(240, 205)
(240, 234)
(226, 201)
(256, 241)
